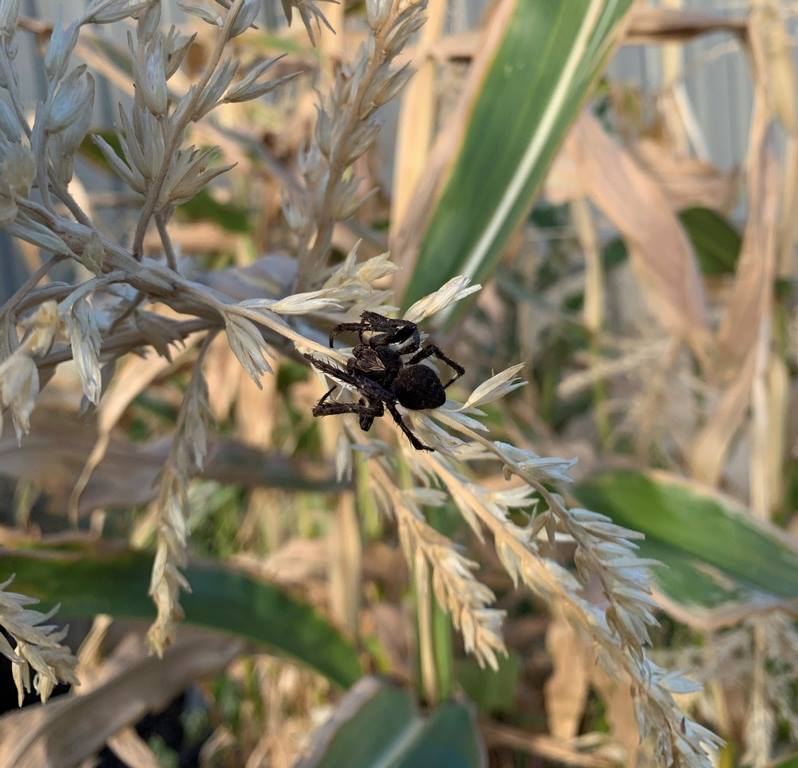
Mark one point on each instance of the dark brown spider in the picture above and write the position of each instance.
(377, 370)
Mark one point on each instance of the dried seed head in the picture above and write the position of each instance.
(33, 232)
(246, 16)
(18, 169)
(213, 92)
(377, 12)
(102, 12)
(494, 388)
(249, 87)
(132, 177)
(201, 13)
(74, 97)
(149, 21)
(149, 71)
(248, 345)
(453, 291)
(9, 12)
(299, 304)
(177, 47)
(310, 15)
(37, 645)
(63, 145)
(62, 43)
(19, 388)
(84, 336)
(9, 125)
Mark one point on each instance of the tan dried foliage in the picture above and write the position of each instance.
(567, 688)
(637, 206)
(133, 683)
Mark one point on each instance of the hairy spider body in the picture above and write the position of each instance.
(381, 375)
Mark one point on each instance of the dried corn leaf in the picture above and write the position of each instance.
(658, 246)
(686, 181)
(59, 443)
(72, 729)
(566, 690)
(414, 131)
(649, 24)
(750, 300)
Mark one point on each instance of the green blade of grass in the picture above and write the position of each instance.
(719, 563)
(547, 56)
(377, 724)
(87, 579)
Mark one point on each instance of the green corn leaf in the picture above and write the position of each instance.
(547, 56)
(377, 724)
(716, 242)
(87, 579)
(720, 564)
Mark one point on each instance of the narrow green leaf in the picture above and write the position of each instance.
(542, 68)
(90, 579)
(716, 242)
(377, 725)
(203, 207)
(492, 692)
(720, 564)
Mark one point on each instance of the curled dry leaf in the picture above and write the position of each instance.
(658, 247)
(566, 690)
(54, 452)
(74, 728)
(688, 181)
(750, 301)
(136, 375)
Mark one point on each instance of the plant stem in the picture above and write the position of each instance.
(166, 241)
(154, 191)
(311, 259)
(30, 284)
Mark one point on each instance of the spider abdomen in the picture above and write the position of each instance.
(418, 387)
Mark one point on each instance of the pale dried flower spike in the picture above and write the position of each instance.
(310, 13)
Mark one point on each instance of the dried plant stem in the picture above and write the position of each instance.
(129, 340)
(186, 456)
(456, 590)
(264, 318)
(179, 126)
(21, 292)
(347, 122)
(129, 309)
(163, 232)
(541, 746)
(541, 575)
(552, 502)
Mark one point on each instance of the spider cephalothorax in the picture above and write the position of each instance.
(381, 375)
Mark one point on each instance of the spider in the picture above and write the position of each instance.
(377, 370)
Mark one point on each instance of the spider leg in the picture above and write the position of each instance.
(396, 330)
(397, 417)
(432, 351)
(331, 370)
(327, 394)
(370, 389)
(345, 328)
(371, 410)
